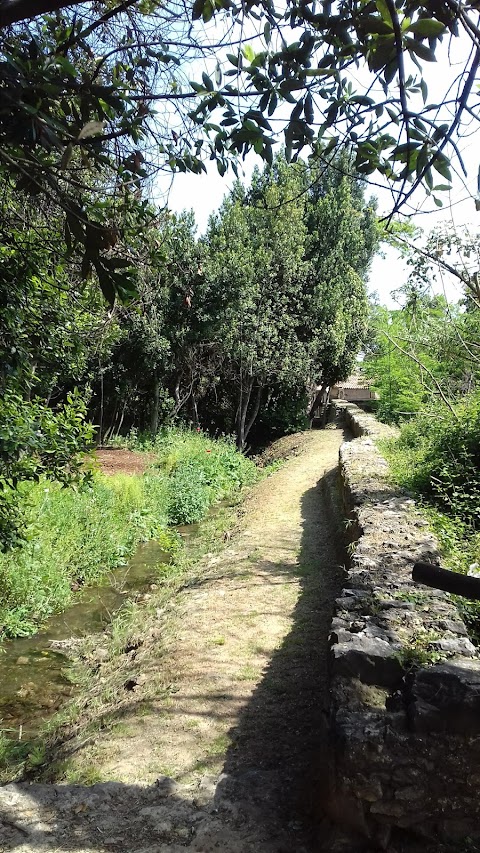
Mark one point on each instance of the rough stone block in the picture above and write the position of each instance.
(370, 659)
(446, 698)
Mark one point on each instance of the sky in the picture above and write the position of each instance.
(204, 193)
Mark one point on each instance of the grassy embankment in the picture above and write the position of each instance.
(437, 459)
(77, 537)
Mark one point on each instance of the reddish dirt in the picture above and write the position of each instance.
(115, 460)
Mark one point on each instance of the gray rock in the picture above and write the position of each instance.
(370, 659)
(446, 698)
(461, 646)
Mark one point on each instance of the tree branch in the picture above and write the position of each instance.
(14, 11)
(427, 371)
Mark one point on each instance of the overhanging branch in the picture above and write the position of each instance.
(14, 11)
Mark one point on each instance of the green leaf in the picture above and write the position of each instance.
(383, 9)
(422, 160)
(372, 24)
(267, 32)
(273, 104)
(208, 11)
(424, 90)
(208, 83)
(197, 9)
(393, 116)
(320, 72)
(442, 166)
(363, 100)
(420, 49)
(427, 27)
(390, 70)
(263, 103)
(308, 108)
(249, 53)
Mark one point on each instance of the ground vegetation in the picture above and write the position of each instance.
(73, 538)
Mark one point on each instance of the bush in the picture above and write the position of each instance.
(189, 494)
(36, 441)
(74, 536)
(438, 455)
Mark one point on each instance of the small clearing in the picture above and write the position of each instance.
(230, 753)
(116, 460)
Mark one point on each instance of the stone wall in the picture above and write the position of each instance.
(405, 717)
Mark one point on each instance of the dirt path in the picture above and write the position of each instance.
(231, 757)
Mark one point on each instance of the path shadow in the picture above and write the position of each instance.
(280, 745)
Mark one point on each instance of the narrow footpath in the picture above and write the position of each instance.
(230, 758)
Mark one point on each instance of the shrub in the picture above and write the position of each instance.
(74, 536)
(36, 441)
(439, 452)
(189, 493)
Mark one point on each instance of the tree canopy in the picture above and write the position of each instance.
(106, 93)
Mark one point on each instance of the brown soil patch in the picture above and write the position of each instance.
(112, 460)
(284, 448)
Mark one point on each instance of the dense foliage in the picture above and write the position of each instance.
(443, 452)
(424, 361)
(81, 83)
(427, 351)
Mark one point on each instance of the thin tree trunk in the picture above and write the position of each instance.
(113, 421)
(242, 411)
(156, 404)
(194, 409)
(255, 411)
(124, 409)
(100, 426)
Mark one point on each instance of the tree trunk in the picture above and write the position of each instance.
(100, 425)
(194, 405)
(254, 412)
(156, 404)
(113, 421)
(124, 409)
(243, 403)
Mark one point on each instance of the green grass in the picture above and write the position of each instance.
(77, 537)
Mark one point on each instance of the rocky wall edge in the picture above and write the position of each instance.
(405, 713)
